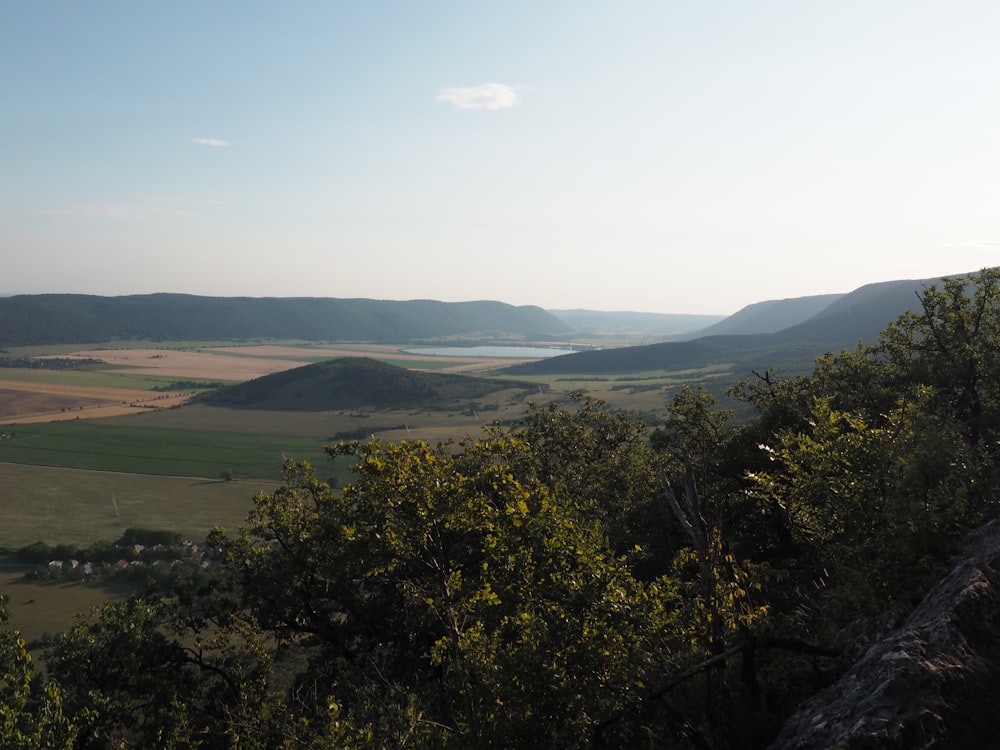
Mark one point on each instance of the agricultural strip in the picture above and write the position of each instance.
(208, 365)
(25, 402)
(238, 363)
(89, 444)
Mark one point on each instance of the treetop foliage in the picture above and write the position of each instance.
(578, 579)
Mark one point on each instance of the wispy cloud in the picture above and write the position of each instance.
(213, 142)
(484, 96)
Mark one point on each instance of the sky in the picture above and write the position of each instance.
(643, 155)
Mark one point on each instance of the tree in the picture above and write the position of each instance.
(148, 672)
(442, 599)
(891, 451)
(952, 345)
(32, 716)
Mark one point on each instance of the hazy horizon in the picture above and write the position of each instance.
(931, 278)
(645, 156)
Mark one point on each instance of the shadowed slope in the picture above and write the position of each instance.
(848, 319)
(355, 382)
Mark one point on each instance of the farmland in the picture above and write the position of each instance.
(88, 452)
(95, 444)
(112, 418)
(80, 508)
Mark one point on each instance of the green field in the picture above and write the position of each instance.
(38, 608)
(80, 508)
(95, 444)
(86, 377)
(67, 506)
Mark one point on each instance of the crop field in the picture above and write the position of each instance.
(83, 378)
(116, 421)
(25, 402)
(94, 444)
(138, 434)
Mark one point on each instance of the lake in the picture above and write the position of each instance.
(513, 352)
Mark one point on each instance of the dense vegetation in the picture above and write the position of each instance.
(78, 318)
(579, 579)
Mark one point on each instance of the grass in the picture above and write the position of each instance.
(66, 506)
(96, 444)
(38, 609)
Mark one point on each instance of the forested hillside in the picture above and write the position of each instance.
(579, 579)
(74, 318)
(770, 316)
(768, 334)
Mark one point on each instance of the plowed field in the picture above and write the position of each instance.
(23, 402)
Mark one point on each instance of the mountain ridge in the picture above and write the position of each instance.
(771, 316)
(72, 319)
(846, 320)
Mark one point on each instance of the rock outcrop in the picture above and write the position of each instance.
(932, 683)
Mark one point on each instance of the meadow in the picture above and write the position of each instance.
(103, 446)
(79, 507)
(40, 609)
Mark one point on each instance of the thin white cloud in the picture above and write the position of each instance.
(213, 142)
(484, 96)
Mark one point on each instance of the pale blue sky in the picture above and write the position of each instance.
(630, 155)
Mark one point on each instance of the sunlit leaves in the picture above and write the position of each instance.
(32, 714)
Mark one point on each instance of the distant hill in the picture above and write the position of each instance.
(860, 315)
(354, 383)
(846, 319)
(659, 325)
(77, 318)
(771, 316)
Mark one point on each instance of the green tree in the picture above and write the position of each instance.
(139, 673)
(888, 453)
(32, 716)
(440, 600)
(872, 502)
(952, 344)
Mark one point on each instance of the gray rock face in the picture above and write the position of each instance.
(933, 683)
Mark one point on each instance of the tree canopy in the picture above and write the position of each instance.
(577, 579)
